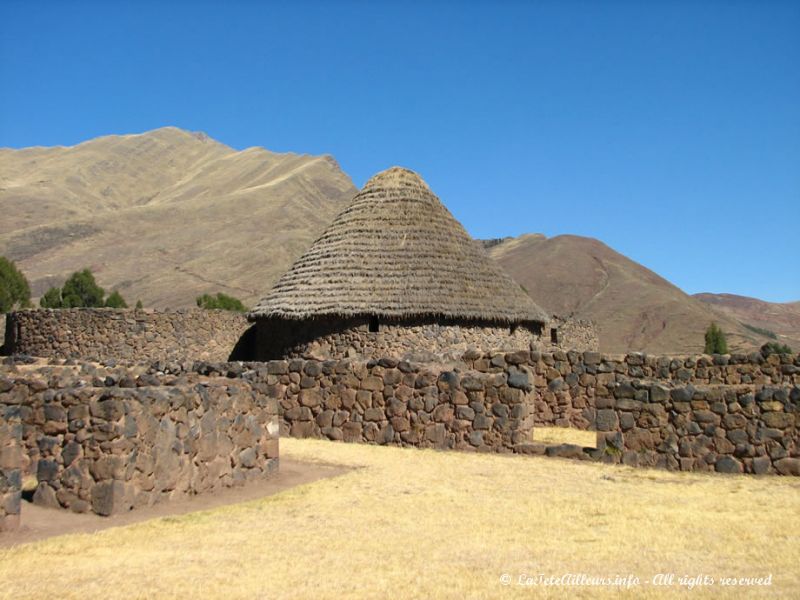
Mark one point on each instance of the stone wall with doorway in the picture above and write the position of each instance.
(107, 437)
(724, 413)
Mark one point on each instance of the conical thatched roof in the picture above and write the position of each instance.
(396, 251)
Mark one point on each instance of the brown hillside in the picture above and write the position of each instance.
(634, 308)
(782, 319)
(167, 215)
(164, 215)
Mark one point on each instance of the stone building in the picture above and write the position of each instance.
(395, 274)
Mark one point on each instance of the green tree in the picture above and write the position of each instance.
(81, 290)
(715, 340)
(775, 348)
(220, 301)
(14, 289)
(139, 305)
(51, 298)
(115, 300)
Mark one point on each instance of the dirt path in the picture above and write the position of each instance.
(38, 523)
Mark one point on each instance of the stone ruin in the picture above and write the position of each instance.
(108, 439)
(393, 328)
(119, 434)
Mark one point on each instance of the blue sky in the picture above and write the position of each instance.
(669, 130)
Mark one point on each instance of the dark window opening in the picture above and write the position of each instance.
(553, 335)
(373, 324)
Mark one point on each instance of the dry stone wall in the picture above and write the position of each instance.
(397, 402)
(106, 438)
(414, 340)
(139, 335)
(110, 439)
(572, 334)
(568, 381)
(730, 429)
(729, 414)
(10, 467)
(701, 413)
(194, 334)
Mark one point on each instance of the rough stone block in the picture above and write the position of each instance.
(310, 398)
(738, 436)
(626, 421)
(761, 465)
(788, 466)
(592, 358)
(475, 438)
(443, 413)
(533, 448)
(248, 458)
(778, 420)
(10, 456)
(659, 393)
(45, 496)
(624, 390)
(352, 431)
(471, 383)
(303, 429)
(435, 433)
(271, 448)
(278, 367)
(606, 420)
(565, 451)
(110, 497)
(400, 424)
(372, 383)
(325, 418)
(519, 357)
(482, 421)
(639, 439)
(728, 464)
(519, 379)
(628, 404)
(374, 414)
(682, 394)
(734, 421)
(706, 416)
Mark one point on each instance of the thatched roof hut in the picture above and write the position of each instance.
(396, 252)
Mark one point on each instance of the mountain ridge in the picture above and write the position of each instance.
(634, 307)
(164, 215)
(780, 319)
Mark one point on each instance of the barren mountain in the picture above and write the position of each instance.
(165, 215)
(634, 308)
(781, 320)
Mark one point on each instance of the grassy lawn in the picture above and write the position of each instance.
(420, 523)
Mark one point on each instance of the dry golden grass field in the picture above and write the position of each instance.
(415, 523)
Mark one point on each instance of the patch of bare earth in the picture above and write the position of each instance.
(38, 523)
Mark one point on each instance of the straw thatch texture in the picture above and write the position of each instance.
(397, 252)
